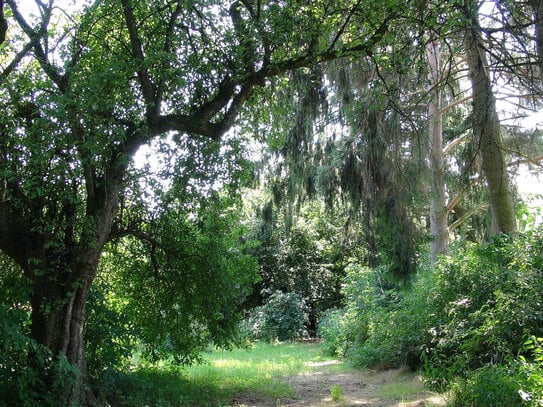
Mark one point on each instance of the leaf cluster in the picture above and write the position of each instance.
(181, 281)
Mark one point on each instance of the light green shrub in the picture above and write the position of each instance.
(334, 332)
(282, 317)
(388, 322)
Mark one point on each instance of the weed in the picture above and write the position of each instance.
(335, 392)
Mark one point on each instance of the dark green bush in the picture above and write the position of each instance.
(26, 368)
(485, 303)
(282, 318)
(488, 386)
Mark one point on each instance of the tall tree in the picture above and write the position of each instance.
(486, 125)
(439, 229)
(82, 94)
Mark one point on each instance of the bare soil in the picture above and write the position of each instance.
(397, 388)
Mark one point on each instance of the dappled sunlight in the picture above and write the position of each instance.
(324, 363)
(230, 364)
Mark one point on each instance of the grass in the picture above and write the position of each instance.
(245, 374)
(335, 392)
(404, 385)
(257, 369)
(222, 376)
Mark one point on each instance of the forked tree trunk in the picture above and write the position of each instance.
(486, 128)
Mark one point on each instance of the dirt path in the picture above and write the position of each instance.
(397, 388)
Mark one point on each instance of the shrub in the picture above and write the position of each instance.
(333, 332)
(516, 383)
(486, 299)
(529, 371)
(384, 323)
(282, 318)
(397, 332)
(488, 386)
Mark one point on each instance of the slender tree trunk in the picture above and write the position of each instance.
(537, 10)
(486, 128)
(438, 208)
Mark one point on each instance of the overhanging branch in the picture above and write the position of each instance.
(233, 94)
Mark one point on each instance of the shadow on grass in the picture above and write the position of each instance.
(157, 387)
(221, 377)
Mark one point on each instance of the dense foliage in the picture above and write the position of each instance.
(281, 318)
(471, 323)
(84, 87)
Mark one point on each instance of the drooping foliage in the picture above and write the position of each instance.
(306, 258)
(84, 86)
(360, 154)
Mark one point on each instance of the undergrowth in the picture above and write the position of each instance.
(473, 324)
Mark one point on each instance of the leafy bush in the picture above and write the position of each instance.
(23, 378)
(486, 300)
(282, 318)
(23, 381)
(13, 353)
(340, 329)
(529, 372)
(333, 332)
(464, 321)
(396, 330)
(518, 382)
(382, 325)
(488, 386)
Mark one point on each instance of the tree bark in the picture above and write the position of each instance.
(438, 209)
(58, 319)
(486, 128)
(62, 267)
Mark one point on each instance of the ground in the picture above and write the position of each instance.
(314, 388)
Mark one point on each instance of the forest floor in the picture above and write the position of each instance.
(314, 388)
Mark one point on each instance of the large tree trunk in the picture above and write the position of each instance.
(62, 266)
(486, 128)
(58, 319)
(438, 209)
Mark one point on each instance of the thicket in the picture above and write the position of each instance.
(472, 324)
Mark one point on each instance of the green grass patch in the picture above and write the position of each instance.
(400, 390)
(221, 376)
(399, 385)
